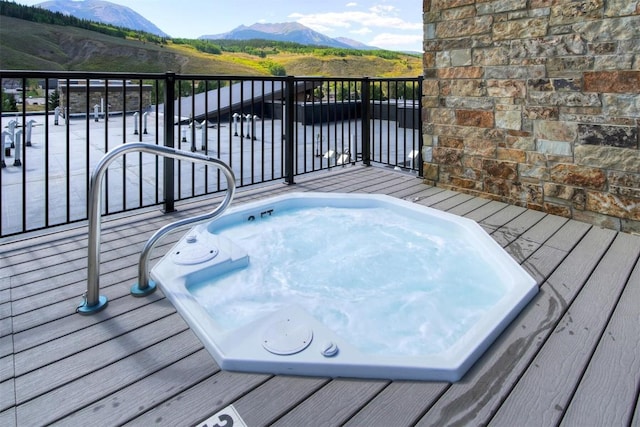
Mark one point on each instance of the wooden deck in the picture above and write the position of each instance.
(572, 357)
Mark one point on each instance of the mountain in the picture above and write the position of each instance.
(33, 45)
(286, 32)
(354, 44)
(122, 16)
(103, 11)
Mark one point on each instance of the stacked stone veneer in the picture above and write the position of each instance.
(536, 103)
(98, 96)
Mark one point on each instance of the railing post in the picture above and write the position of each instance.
(420, 135)
(169, 140)
(366, 122)
(289, 151)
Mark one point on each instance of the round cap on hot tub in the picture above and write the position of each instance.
(329, 349)
(286, 337)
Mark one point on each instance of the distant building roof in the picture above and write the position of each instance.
(238, 97)
(73, 83)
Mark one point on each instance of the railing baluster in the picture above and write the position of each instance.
(106, 134)
(46, 155)
(288, 115)
(366, 117)
(169, 141)
(420, 131)
(124, 140)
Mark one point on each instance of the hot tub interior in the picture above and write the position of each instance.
(344, 285)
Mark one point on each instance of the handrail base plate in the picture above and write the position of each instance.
(92, 309)
(136, 291)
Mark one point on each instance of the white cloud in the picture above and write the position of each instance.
(352, 4)
(382, 22)
(395, 41)
(362, 31)
(348, 19)
(380, 8)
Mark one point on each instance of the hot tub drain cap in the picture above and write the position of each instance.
(287, 337)
(193, 252)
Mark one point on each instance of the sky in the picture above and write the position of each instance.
(387, 24)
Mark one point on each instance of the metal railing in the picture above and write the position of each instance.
(264, 128)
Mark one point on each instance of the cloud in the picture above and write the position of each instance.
(381, 22)
(396, 41)
(380, 9)
(379, 16)
(352, 4)
(362, 31)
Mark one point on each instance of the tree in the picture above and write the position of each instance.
(274, 68)
(408, 91)
(54, 99)
(185, 88)
(377, 92)
(8, 102)
(204, 85)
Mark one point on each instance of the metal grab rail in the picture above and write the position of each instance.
(93, 302)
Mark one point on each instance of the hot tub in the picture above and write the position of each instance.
(344, 285)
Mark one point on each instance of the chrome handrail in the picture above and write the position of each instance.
(93, 302)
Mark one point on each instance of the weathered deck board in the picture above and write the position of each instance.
(5, 326)
(550, 381)
(7, 396)
(200, 401)
(333, 404)
(6, 346)
(137, 363)
(5, 306)
(531, 240)
(433, 196)
(401, 403)
(486, 385)
(428, 196)
(6, 368)
(543, 261)
(469, 206)
(452, 202)
(485, 211)
(74, 395)
(516, 227)
(124, 405)
(499, 219)
(63, 327)
(609, 387)
(275, 397)
(32, 383)
(8, 417)
(57, 349)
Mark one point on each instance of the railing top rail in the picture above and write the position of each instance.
(78, 75)
(62, 75)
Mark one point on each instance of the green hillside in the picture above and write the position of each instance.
(26, 45)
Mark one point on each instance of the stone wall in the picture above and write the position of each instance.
(98, 96)
(536, 103)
